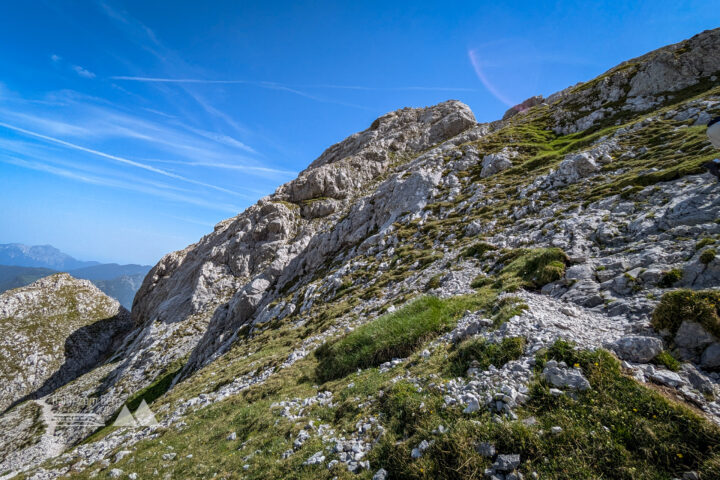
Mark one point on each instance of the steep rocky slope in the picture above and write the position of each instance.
(437, 298)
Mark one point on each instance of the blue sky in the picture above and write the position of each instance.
(129, 128)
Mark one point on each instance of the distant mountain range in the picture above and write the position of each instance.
(44, 256)
(21, 265)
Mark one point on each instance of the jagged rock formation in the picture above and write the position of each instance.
(53, 331)
(593, 201)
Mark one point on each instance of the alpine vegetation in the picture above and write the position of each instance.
(432, 297)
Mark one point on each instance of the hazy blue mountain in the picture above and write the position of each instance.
(110, 271)
(21, 265)
(122, 288)
(44, 256)
(13, 276)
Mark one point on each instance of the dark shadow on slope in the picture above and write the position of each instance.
(85, 349)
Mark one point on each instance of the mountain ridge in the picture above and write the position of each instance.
(501, 280)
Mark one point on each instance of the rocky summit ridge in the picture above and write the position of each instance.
(535, 297)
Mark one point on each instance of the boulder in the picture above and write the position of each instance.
(380, 475)
(497, 162)
(710, 359)
(506, 463)
(563, 377)
(637, 348)
(691, 339)
(521, 107)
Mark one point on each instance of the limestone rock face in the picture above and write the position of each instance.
(497, 162)
(638, 84)
(348, 166)
(53, 331)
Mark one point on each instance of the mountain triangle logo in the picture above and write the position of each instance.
(143, 417)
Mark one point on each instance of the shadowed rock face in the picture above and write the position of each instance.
(53, 331)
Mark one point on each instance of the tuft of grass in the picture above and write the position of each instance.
(533, 268)
(485, 353)
(482, 280)
(478, 250)
(701, 306)
(394, 335)
(434, 282)
(670, 278)
(704, 243)
(506, 308)
(666, 359)
(708, 256)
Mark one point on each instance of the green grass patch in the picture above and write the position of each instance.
(434, 282)
(701, 306)
(478, 250)
(617, 430)
(533, 268)
(708, 256)
(485, 353)
(704, 243)
(666, 359)
(394, 335)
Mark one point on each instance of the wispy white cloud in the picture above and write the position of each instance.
(96, 120)
(276, 85)
(265, 85)
(114, 158)
(290, 88)
(83, 72)
(79, 176)
(230, 166)
(55, 58)
(145, 38)
(477, 66)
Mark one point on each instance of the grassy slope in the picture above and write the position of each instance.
(619, 429)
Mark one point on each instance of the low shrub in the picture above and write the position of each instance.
(708, 256)
(704, 243)
(478, 250)
(701, 306)
(670, 278)
(434, 282)
(666, 359)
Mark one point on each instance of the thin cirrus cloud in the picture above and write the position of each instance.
(97, 121)
(265, 85)
(145, 38)
(290, 88)
(162, 191)
(477, 64)
(114, 158)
